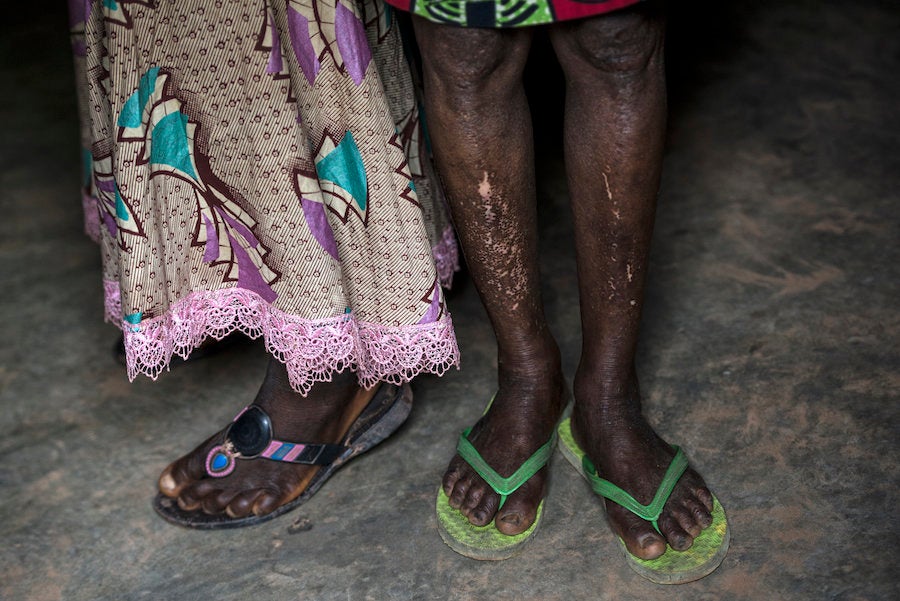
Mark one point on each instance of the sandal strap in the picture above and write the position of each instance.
(653, 510)
(307, 454)
(508, 485)
(297, 452)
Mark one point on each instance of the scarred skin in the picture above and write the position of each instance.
(481, 131)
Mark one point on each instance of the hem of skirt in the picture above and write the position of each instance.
(312, 350)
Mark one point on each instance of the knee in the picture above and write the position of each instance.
(616, 44)
(465, 73)
(469, 63)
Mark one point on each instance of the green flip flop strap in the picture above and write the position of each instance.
(504, 486)
(650, 512)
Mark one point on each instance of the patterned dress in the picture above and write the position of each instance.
(260, 165)
(507, 13)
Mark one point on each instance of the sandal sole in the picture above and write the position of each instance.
(672, 567)
(384, 414)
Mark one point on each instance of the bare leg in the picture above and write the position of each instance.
(259, 487)
(481, 128)
(614, 131)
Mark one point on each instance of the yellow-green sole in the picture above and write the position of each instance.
(484, 543)
(672, 567)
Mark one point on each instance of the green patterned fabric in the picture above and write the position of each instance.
(507, 13)
(496, 13)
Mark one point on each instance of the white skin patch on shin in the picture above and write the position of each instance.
(615, 211)
(484, 191)
(501, 243)
(484, 187)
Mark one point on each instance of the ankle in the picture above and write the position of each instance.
(606, 400)
(529, 359)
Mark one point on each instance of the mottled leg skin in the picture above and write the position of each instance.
(481, 131)
(260, 486)
(614, 132)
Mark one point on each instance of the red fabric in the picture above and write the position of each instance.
(401, 4)
(565, 10)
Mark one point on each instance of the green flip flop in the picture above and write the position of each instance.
(486, 542)
(672, 567)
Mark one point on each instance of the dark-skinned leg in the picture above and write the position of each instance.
(481, 131)
(614, 131)
(260, 486)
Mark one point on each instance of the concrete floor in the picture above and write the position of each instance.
(769, 351)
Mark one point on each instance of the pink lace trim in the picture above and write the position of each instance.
(446, 257)
(312, 350)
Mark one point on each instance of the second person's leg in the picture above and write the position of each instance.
(481, 130)
(614, 132)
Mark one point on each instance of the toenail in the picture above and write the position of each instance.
(512, 518)
(167, 483)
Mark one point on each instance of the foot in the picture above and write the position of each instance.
(611, 429)
(521, 418)
(258, 487)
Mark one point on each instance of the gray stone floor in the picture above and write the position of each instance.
(769, 351)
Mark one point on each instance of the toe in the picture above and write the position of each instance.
(705, 497)
(685, 518)
(473, 498)
(451, 477)
(189, 500)
(204, 488)
(520, 509)
(677, 537)
(184, 471)
(241, 505)
(167, 484)
(699, 513)
(458, 473)
(217, 502)
(176, 477)
(484, 512)
(193, 496)
(267, 502)
(460, 492)
(211, 505)
(513, 521)
(639, 536)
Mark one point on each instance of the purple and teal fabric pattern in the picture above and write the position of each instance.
(152, 116)
(119, 11)
(260, 166)
(322, 32)
(115, 214)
